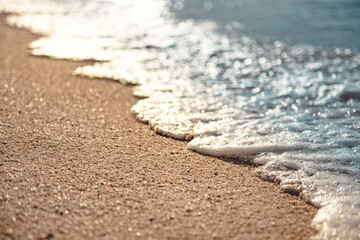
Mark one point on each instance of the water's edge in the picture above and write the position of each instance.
(322, 183)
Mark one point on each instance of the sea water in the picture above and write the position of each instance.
(274, 83)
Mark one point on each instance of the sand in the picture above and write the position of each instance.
(75, 164)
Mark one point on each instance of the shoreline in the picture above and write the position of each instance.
(75, 163)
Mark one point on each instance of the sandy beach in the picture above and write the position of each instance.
(75, 164)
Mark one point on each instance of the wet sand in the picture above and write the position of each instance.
(75, 164)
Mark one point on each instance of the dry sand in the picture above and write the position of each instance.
(75, 164)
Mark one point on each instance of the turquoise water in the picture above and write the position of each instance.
(276, 83)
(330, 23)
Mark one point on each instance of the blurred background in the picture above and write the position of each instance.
(320, 22)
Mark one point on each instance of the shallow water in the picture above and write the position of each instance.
(274, 84)
(319, 23)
